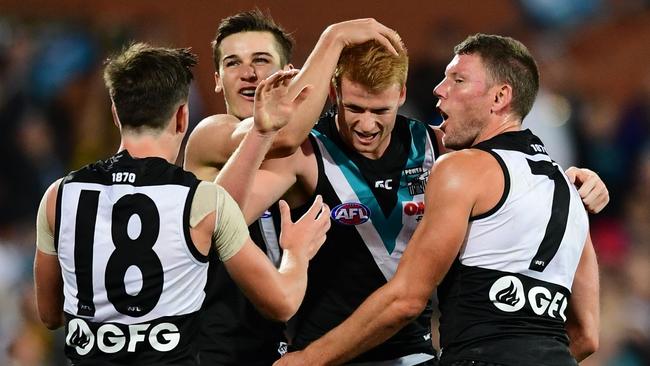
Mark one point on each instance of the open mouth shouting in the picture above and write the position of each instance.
(444, 116)
(248, 93)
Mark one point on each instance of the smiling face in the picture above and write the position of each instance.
(246, 59)
(465, 101)
(366, 119)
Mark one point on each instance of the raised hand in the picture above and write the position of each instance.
(358, 31)
(308, 233)
(273, 102)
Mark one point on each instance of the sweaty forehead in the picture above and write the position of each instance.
(245, 44)
(465, 63)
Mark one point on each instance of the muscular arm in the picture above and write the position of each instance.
(215, 138)
(48, 282)
(584, 310)
(429, 254)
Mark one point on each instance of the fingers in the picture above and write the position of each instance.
(596, 199)
(387, 37)
(278, 79)
(285, 214)
(315, 208)
(571, 173)
(588, 186)
(284, 77)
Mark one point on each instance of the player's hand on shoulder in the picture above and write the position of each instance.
(274, 103)
(591, 187)
(308, 234)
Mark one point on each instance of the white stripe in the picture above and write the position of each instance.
(270, 237)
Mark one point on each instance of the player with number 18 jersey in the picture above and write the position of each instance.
(133, 279)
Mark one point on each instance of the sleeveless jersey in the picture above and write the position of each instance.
(504, 300)
(133, 279)
(233, 332)
(376, 206)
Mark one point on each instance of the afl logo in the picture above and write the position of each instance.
(507, 294)
(351, 213)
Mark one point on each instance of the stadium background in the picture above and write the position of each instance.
(593, 111)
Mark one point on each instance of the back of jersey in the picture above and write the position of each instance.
(133, 279)
(505, 298)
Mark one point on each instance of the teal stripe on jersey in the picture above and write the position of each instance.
(387, 227)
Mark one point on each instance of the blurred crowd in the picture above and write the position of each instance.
(55, 117)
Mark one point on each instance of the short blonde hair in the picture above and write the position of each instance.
(371, 65)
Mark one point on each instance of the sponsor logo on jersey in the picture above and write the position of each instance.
(413, 208)
(283, 347)
(110, 338)
(351, 213)
(385, 184)
(508, 294)
(416, 180)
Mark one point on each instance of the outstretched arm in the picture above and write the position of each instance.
(216, 137)
(592, 189)
(427, 259)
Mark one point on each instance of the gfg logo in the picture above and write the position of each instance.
(110, 338)
(508, 294)
(351, 213)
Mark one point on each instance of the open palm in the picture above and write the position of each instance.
(273, 102)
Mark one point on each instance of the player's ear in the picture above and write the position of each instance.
(332, 93)
(116, 118)
(402, 96)
(218, 84)
(182, 118)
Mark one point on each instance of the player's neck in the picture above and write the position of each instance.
(507, 124)
(146, 146)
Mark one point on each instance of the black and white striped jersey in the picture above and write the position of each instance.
(133, 279)
(505, 298)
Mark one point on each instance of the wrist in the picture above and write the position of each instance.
(264, 134)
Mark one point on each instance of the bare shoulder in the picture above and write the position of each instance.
(213, 127)
(460, 169)
(208, 144)
(51, 195)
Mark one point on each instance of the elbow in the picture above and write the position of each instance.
(284, 146)
(585, 345)
(52, 322)
(590, 345)
(282, 311)
(409, 308)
